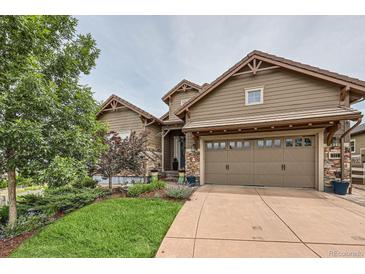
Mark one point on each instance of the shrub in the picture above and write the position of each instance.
(23, 224)
(4, 213)
(178, 191)
(137, 189)
(86, 182)
(63, 199)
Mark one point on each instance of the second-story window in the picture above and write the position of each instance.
(254, 96)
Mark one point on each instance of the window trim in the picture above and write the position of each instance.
(125, 132)
(353, 151)
(247, 90)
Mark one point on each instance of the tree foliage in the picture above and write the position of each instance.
(126, 155)
(44, 112)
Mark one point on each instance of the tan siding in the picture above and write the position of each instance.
(175, 102)
(154, 136)
(359, 142)
(284, 91)
(124, 119)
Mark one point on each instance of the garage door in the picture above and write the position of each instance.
(286, 161)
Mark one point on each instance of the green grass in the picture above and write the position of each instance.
(121, 227)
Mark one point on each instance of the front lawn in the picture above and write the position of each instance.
(112, 228)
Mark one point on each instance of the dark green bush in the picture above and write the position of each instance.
(137, 189)
(63, 199)
(23, 224)
(85, 182)
(4, 213)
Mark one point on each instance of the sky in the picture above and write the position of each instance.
(143, 57)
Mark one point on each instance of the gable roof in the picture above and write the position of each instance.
(340, 79)
(176, 88)
(358, 130)
(163, 117)
(127, 105)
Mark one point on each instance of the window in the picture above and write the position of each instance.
(307, 141)
(288, 142)
(352, 145)
(254, 96)
(124, 133)
(268, 143)
(183, 101)
(335, 155)
(298, 141)
(277, 143)
(235, 145)
(260, 143)
(246, 144)
(216, 145)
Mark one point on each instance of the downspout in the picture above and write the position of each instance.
(343, 151)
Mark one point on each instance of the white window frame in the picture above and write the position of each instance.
(247, 90)
(353, 140)
(183, 101)
(125, 132)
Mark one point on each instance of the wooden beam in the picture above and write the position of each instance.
(343, 94)
(258, 70)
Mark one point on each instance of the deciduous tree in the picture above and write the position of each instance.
(44, 111)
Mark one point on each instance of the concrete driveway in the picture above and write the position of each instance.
(234, 221)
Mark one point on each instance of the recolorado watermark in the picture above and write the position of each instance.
(339, 254)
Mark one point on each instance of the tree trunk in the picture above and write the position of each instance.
(110, 183)
(12, 196)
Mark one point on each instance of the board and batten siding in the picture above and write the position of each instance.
(284, 91)
(175, 102)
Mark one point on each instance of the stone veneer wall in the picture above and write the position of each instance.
(192, 163)
(332, 167)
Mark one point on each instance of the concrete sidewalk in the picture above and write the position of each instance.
(230, 221)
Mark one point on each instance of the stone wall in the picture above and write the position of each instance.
(332, 167)
(192, 163)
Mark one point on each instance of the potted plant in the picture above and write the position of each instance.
(340, 187)
(181, 179)
(191, 180)
(175, 164)
(154, 175)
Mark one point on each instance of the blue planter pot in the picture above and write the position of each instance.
(340, 187)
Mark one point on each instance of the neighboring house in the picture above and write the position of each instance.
(266, 121)
(357, 145)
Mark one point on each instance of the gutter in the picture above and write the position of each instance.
(343, 150)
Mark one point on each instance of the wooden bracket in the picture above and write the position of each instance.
(331, 132)
(344, 92)
(114, 105)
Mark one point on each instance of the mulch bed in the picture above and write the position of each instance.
(8, 245)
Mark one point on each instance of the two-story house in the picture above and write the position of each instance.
(266, 121)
